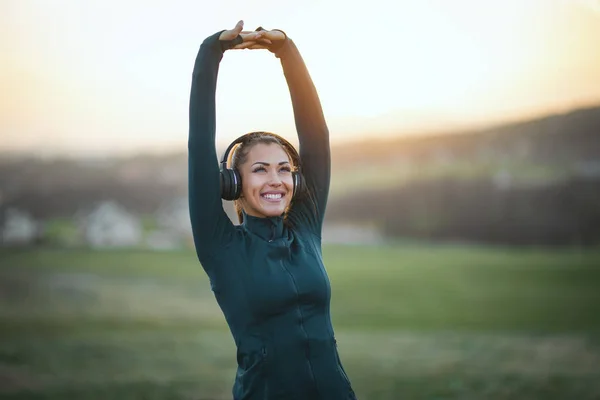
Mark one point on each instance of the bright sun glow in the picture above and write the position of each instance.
(115, 76)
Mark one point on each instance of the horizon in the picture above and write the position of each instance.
(115, 83)
(352, 142)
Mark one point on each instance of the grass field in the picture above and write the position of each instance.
(413, 322)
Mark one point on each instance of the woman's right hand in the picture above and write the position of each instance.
(249, 38)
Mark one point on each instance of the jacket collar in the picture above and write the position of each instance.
(267, 228)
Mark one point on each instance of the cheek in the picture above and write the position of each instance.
(288, 181)
(251, 183)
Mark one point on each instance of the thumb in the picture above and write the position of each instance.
(238, 27)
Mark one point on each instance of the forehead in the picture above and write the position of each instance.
(267, 152)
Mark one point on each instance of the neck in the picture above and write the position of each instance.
(269, 228)
(244, 215)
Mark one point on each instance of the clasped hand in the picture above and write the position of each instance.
(262, 39)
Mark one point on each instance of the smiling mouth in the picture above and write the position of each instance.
(272, 197)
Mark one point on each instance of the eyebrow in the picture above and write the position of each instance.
(267, 164)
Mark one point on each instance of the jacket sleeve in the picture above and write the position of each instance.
(211, 227)
(313, 136)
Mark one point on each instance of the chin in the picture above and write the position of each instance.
(272, 209)
(273, 212)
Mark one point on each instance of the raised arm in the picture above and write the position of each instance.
(211, 226)
(313, 133)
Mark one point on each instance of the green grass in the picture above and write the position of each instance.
(413, 321)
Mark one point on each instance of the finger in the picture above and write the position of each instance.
(244, 45)
(232, 33)
(273, 35)
(238, 27)
(240, 46)
(252, 36)
(251, 45)
(248, 32)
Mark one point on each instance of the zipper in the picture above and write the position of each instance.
(312, 374)
(266, 366)
(272, 232)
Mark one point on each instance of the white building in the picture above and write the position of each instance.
(173, 226)
(19, 228)
(174, 217)
(110, 225)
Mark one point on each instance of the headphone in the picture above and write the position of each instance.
(231, 180)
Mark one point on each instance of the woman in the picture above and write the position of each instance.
(267, 273)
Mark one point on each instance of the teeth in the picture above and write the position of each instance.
(272, 196)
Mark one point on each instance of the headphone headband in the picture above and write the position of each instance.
(226, 154)
(242, 139)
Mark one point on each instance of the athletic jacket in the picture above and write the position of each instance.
(267, 274)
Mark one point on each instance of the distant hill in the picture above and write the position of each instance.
(571, 135)
(553, 146)
(525, 155)
(536, 182)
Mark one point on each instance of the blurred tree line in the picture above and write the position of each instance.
(529, 183)
(533, 182)
(561, 213)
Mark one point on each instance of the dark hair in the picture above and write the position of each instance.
(239, 155)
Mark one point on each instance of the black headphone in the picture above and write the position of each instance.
(231, 180)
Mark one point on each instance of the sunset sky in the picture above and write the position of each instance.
(106, 76)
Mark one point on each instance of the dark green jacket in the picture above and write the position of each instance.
(267, 274)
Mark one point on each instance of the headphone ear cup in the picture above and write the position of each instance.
(225, 184)
(298, 183)
(231, 184)
(237, 184)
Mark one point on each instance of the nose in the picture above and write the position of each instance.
(274, 179)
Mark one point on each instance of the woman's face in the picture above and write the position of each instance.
(267, 182)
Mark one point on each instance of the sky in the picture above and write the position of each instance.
(112, 77)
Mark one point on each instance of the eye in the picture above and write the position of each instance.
(259, 169)
(286, 169)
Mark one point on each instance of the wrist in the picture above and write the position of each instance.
(229, 44)
(280, 47)
(214, 41)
